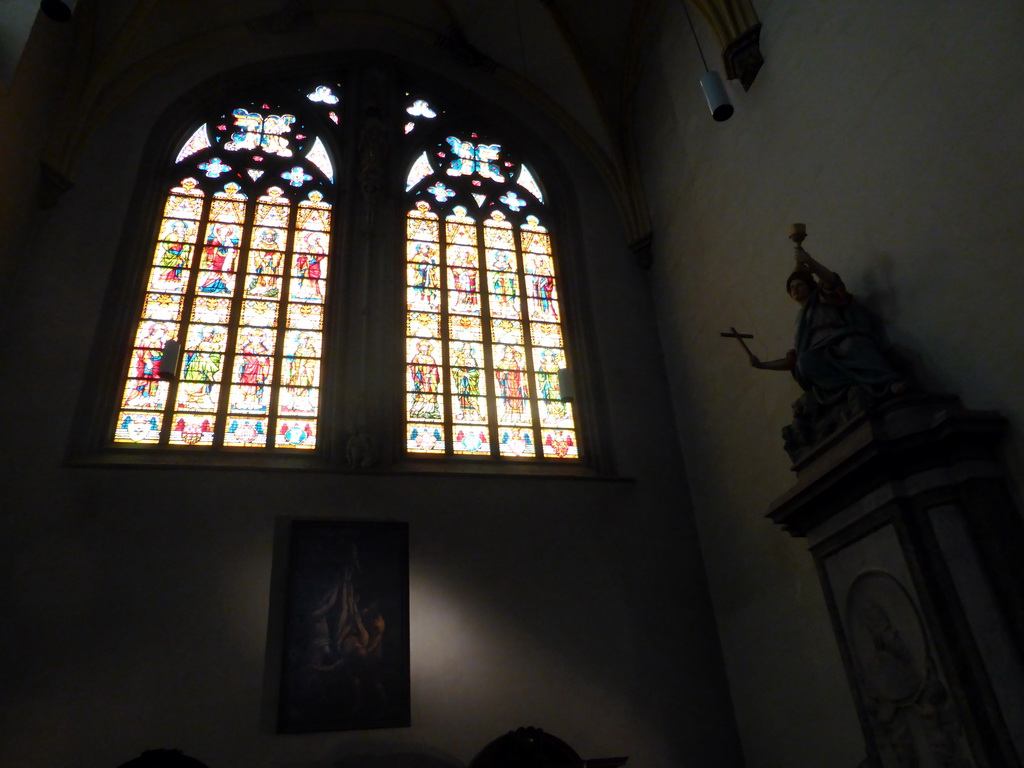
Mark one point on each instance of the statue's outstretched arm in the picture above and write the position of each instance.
(823, 273)
(786, 363)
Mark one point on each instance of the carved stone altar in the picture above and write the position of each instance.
(920, 551)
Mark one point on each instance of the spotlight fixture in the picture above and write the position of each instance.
(711, 82)
(58, 10)
(170, 359)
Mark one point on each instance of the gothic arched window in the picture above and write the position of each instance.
(228, 347)
(484, 335)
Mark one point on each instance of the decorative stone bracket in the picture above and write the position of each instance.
(738, 30)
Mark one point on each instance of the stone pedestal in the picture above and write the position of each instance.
(920, 551)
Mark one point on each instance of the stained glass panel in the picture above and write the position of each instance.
(145, 394)
(191, 429)
(506, 331)
(312, 242)
(305, 316)
(229, 206)
(463, 328)
(559, 443)
(245, 300)
(299, 401)
(555, 413)
(471, 441)
(197, 141)
(527, 182)
(142, 428)
(424, 438)
(323, 94)
(419, 171)
(296, 433)
(303, 343)
(503, 397)
(314, 214)
(423, 224)
(423, 324)
(160, 306)
(198, 396)
(243, 432)
(460, 229)
(420, 108)
(516, 442)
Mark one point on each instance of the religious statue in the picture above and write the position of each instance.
(837, 359)
(358, 449)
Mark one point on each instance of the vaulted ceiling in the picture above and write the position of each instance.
(577, 59)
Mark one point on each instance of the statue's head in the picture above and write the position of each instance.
(800, 285)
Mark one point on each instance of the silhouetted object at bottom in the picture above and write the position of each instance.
(532, 748)
(164, 758)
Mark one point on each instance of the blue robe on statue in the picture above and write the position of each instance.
(837, 348)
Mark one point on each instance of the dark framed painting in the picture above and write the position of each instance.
(345, 663)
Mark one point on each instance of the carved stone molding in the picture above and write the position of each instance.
(738, 30)
(52, 185)
(743, 57)
(642, 251)
(373, 152)
(454, 41)
(909, 708)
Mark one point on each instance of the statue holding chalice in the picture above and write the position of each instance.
(837, 357)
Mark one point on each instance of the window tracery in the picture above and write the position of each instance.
(238, 278)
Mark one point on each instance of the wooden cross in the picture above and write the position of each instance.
(734, 334)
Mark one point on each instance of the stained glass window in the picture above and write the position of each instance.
(484, 337)
(237, 279)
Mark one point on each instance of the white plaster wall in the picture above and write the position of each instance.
(135, 601)
(893, 132)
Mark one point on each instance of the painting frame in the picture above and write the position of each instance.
(344, 662)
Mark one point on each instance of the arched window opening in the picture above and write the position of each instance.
(238, 279)
(484, 334)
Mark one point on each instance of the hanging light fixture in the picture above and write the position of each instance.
(58, 10)
(711, 83)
